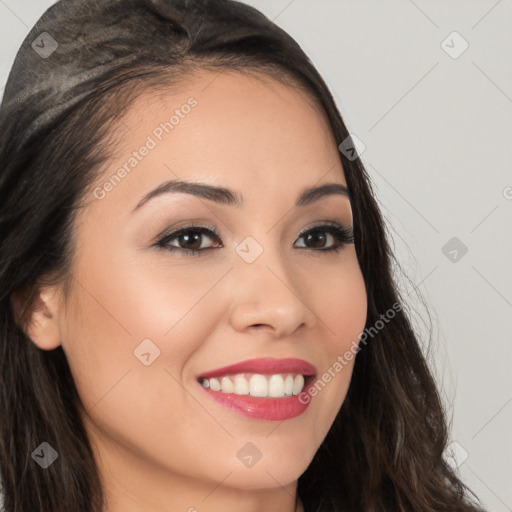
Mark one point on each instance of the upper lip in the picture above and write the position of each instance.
(263, 366)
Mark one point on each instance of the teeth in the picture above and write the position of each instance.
(298, 384)
(288, 385)
(241, 385)
(226, 385)
(258, 385)
(214, 384)
(274, 386)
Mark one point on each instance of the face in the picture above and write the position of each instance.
(152, 310)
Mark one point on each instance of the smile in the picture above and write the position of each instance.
(264, 389)
(257, 385)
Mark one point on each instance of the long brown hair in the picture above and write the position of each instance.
(384, 451)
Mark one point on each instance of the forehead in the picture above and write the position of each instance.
(227, 129)
(230, 105)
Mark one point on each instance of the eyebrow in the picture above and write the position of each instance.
(227, 197)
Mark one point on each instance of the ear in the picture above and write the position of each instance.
(43, 324)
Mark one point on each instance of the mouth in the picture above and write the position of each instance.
(277, 385)
(267, 388)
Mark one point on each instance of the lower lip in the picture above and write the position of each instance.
(264, 408)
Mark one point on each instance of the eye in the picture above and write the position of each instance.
(317, 236)
(189, 239)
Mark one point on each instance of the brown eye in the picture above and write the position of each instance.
(189, 239)
(316, 238)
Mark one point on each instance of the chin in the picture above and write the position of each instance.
(265, 476)
(277, 469)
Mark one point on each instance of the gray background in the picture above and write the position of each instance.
(437, 131)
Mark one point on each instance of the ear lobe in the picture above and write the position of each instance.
(43, 325)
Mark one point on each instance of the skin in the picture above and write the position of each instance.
(161, 443)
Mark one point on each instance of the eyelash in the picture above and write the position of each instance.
(343, 235)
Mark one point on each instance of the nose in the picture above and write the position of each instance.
(269, 296)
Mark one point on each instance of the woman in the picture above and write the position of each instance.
(197, 303)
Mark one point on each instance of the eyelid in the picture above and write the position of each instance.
(348, 230)
(174, 232)
(344, 235)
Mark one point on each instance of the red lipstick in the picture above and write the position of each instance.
(265, 366)
(264, 408)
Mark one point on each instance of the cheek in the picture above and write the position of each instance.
(341, 311)
(339, 301)
(118, 316)
(127, 401)
(127, 313)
